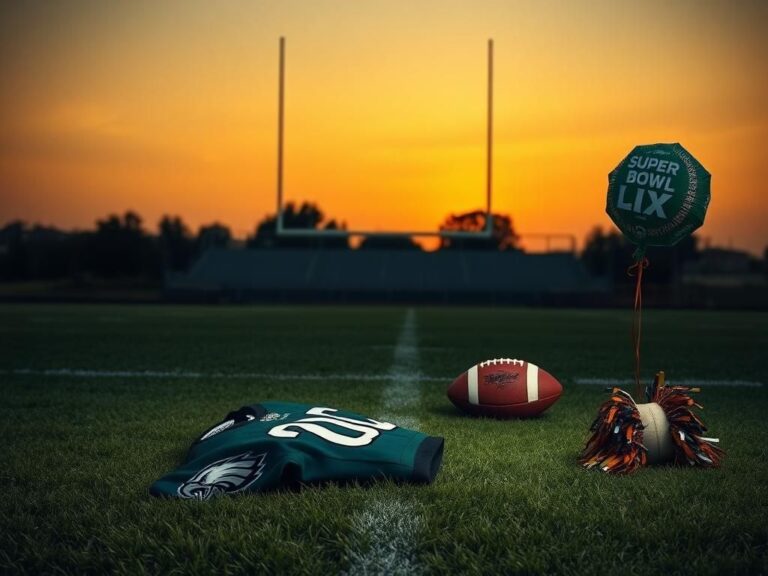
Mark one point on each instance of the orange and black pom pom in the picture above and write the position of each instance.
(616, 444)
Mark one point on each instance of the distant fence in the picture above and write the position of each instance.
(537, 243)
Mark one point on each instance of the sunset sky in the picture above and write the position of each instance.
(170, 107)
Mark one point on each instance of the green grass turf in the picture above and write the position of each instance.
(78, 453)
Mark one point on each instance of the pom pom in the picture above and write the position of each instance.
(616, 442)
(626, 435)
(686, 429)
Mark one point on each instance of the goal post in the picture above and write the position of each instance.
(281, 228)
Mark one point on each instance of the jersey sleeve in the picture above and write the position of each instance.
(428, 459)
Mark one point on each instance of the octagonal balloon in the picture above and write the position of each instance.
(658, 195)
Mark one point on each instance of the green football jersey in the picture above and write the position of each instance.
(273, 444)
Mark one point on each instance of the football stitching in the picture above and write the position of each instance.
(496, 361)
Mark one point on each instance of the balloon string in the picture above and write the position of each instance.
(637, 270)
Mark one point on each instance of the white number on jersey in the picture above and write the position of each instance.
(369, 429)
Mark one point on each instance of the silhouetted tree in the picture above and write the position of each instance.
(607, 254)
(307, 216)
(393, 242)
(176, 243)
(50, 252)
(503, 236)
(765, 260)
(120, 248)
(38, 253)
(667, 262)
(13, 252)
(212, 236)
(610, 254)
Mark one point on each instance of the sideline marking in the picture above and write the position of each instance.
(384, 533)
(696, 382)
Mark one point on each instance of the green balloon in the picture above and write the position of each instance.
(658, 195)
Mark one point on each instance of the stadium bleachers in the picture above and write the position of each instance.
(242, 274)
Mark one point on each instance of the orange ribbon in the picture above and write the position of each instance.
(637, 270)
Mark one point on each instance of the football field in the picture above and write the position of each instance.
(97, 402)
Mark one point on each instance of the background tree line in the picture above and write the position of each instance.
(121, 246)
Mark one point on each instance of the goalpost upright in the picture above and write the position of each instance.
(281, 228)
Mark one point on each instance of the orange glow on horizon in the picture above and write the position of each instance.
(171, 109)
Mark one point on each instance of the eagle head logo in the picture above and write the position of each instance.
(224, 476)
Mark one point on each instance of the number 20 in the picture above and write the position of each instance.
(369, 429)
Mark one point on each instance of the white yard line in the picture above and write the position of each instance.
(91, 373)
(696, 382)
(403, 390)
(403, 377)
(390, 528)
(384, 533)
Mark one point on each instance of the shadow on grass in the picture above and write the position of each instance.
(450, 411)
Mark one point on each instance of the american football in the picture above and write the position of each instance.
(505, 388)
